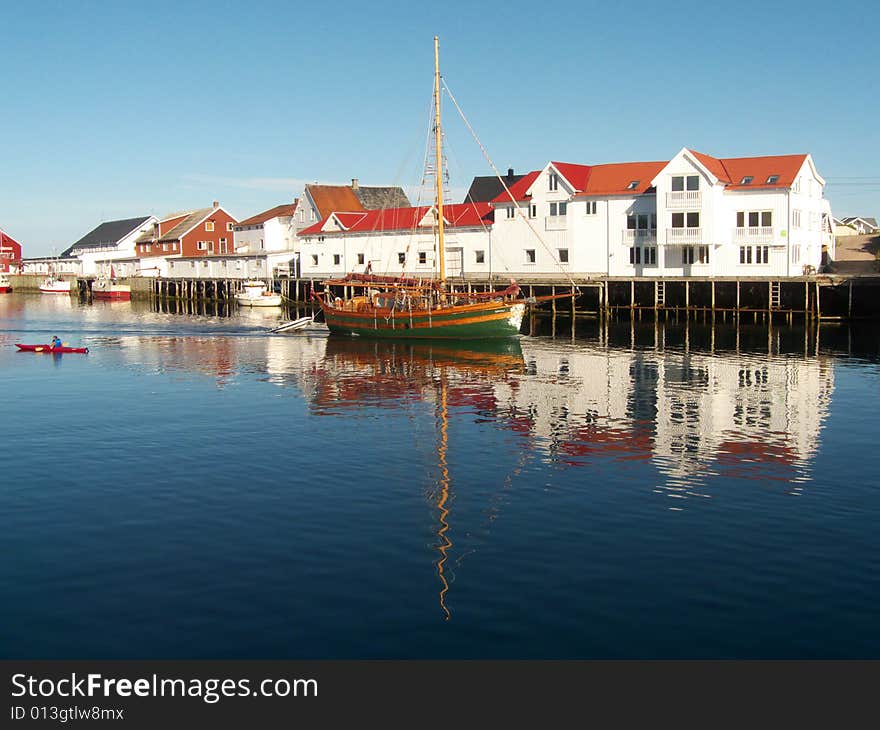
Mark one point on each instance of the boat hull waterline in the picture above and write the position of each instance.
(48, 349)
(478, 321)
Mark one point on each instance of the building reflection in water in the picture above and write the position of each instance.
(695, 410)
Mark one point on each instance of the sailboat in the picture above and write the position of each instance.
(409, 308)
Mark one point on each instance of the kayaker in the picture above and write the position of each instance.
(56, 343)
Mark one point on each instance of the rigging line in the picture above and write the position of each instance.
(486, 230)
(506, 189)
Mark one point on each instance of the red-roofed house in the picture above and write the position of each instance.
(10, 252)
(398, 240)
(193, 234)
(272, 234)
(694, 215)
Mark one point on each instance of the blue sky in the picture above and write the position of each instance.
(116, 109)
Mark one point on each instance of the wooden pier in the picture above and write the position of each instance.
(734, 299)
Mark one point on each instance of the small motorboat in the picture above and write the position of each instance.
(55, 286)
(106, 288)
(48, 348)
(5, 286)
(255, 294)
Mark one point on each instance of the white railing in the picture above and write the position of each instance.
(640, 235)
(684, 235)
(555, 223)
(754, 234)
(684, 199)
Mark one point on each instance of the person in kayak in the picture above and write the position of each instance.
(56, 343)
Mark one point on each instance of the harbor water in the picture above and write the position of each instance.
(195, 487)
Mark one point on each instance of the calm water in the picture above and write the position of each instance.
(194, 487)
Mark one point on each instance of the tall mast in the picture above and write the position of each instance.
(438, 142)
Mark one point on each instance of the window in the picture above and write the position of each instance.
(423, 257)
(633, 185)
(554, 181)
(796, 188)
(650, 256)
(401, 257)
(164, 246)
(302, 215)
(772, 179)
(591, 207)
(687, 254)
(480, 257)
(681, 183)
(533, 211)
(312, 214)
(754, 218)
(678, 220)
(693, 220)
(635, 255)
(147, 248)
(796, 253)
(314, 259)
(360, 258)
(337, 259)
(530, 255)
(229, 226)
(747, 180)
(511, 211)
(558, 209)
(562, 255)
(795, 219)
(682, 220)
(202, 245)
(761, 254)
(209, 225)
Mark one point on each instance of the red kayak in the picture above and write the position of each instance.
(48, 348)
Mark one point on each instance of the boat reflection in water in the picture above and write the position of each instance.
(356, 373)
(677, 422)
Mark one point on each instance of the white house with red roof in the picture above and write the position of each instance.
(271, 233)
(398, 241)
(694, 215)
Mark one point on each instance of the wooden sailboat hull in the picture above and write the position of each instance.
(489, 320)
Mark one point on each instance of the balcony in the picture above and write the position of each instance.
(640, 237)
(555, 223)
(681, 199)
(684, 235)
(753, 234)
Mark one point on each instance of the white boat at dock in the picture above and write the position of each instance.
(254, 293)
(52, 285)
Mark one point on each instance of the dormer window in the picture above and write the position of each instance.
(554, 181)
(633, 185)
(772, 179)
(747, 180)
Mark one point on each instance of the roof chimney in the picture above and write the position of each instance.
(509, 172)
(354, 183)
(216, 204)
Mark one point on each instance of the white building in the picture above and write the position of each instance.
(110, 243)
(398, 241)
(695, 215)
(270, 234)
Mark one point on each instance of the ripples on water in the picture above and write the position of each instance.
(194, 487)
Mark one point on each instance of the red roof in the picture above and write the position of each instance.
(712, 164)
(761, 168)
(577, 175)
(616, 178)
(518, 189)
(328, 198)
(402, 219)
(278, 211)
